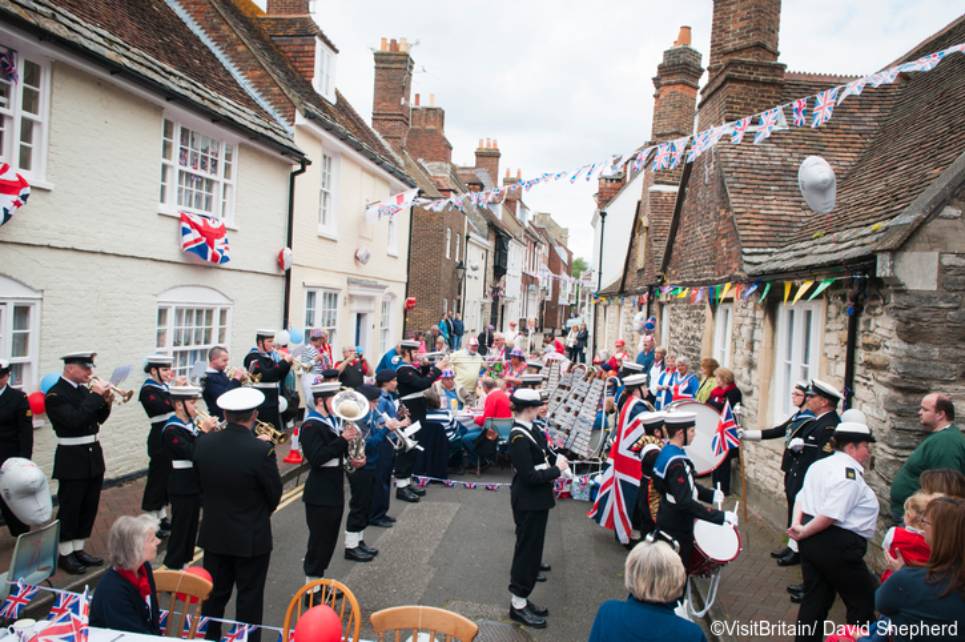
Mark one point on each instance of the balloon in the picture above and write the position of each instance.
(36, 401)
(649, 326)
(296, 335)
(318, 624)
(283, 338)
(410, 303)
(201, 572)
(282, 404)
(48, 381)
(652, 319)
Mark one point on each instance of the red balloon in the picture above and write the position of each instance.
(201, 572)
(318, 624)
(36, 401)
(410, 303)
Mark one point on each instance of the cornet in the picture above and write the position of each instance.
(124, 395)
(351, 406)
(202, 417)
(274, 435)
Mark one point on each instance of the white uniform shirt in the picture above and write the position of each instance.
(835, 487)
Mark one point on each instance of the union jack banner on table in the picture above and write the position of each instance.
(238, 633)
(14, 192)
(769, 122)
(738, 128)
(204, 238)
(19, 598)
(725, 437)
(824, 106)
(68, 618)
(799, 109)
(621, 480)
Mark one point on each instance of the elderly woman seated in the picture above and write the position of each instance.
(126, 597)
(655, 577)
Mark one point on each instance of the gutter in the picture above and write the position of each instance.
(405, 313)
(302, 166)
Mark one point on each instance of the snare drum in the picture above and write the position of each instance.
(714, 546)
(700, 451)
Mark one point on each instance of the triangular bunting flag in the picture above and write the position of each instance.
(787, 290)
(801, 291)
(821, 288)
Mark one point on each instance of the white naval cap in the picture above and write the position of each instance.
(853, 414)
(262, 332)
(635, 380)
(648, 418)
(4, 366)
(184, 392)
(162, 360)
(679, 419)
(409, 344)
(241, 399)
(532, 363)
(531, 379)
(853, 431)
(526, 398)
(824, 389)
(631, 365)
(83, 358)
(326, 388)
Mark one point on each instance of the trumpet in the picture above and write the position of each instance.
(351, 406)
(201, 416)
(401, 441)
(125, 395)
(277, 437)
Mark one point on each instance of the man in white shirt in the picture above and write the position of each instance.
(467, 363)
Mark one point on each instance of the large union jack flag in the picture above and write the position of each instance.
(824, 106)
(621, 480)
(69, 619)
(726, 436)
(18, 599)
(14, 192)
(204, 238)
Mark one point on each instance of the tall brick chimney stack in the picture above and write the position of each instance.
(287, 7)
(487, 157)
(676, 83)
(512, 195)
(295, 33)
(607, 188)
(427, 135)
(393, 84)
(744, 75)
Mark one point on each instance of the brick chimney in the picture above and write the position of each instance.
(288, 8)
(744, 75)
(487, 157)
(427, 135)
(676, 83)
(393, 84)
(511, 200)
(607, 188)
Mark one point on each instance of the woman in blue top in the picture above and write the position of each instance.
(655, 577)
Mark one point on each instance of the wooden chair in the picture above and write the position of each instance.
(188, 586)
(406, 621)
(330, 592)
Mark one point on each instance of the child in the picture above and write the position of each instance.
(909, 540)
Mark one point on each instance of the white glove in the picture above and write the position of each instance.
(796, 444)
(749, 435)
(730, 518)
(718, 497)
(562, 463)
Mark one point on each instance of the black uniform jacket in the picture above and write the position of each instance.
(16, 425)
(412, 380)
(240, 488)
(270, 371)
(179, 442)
(321, 444)
(118, 605)
(816, 435)
(156, 400)
(532, 487)
(75, 411)
(790, 429)
(679, 505)
(215, 383)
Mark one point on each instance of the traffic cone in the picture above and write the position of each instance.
(294, 455)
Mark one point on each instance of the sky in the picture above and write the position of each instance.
(561, 84)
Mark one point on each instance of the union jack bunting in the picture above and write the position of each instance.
(679, 146)
(392, 205)
(703, 141)
(14, 192)
(725, 437)
(925, 63)
(662, 159)
(470, 485)
(738, 128)
(491, 486)
(824, 106)
(769, 122)
(853, 88)
(8, 64)
(799, 110)
(589, 172)
(883, 77)
(577, 173)
(204, 238)
(19, 598)
(641, 159)
(238, 633)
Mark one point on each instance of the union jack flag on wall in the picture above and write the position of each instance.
(204, 238)
(824, 106)
(19, 598)
(726, 436)
(14, 192)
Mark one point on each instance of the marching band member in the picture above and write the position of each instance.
(532, 498)
(383, 455)
(76, 413)
(217, 381)
(412, 383)
(240, 488)
(325, 445)
(157, 404)
(178, 438)
(675, 481)
(648, 500)
(16, 436)
(260, 360)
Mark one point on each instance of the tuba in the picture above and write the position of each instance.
(351, 406)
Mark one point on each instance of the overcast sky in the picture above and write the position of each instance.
(560, 84)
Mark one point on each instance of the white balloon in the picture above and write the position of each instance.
(25, 489)
(282, 404)
(818, 185)
(283, 338)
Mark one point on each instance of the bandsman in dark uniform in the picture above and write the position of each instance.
(16, 436)
(76, 413)
(681, 495)
(270, 368)
(649, 447)
(217, 381)
(382, 453)
(178, 439)
(240, 488)
(157, 404)
(325, 446)
(532, 498)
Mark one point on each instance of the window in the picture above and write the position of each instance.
(448, 243)
(324, 78)
(321, 311)
(796, 351)
(18, 341)
(23, 116)
(392, 242)
(665, 325)
(197, 173)
(723, 328)
(187, 332)
(458, 246)
(326, 197)
(385, 324)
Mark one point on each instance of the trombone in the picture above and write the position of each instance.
(124, 395)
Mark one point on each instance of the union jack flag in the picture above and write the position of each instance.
(491, 486)
(662, 158)
(703, 141)
(239, 633)
(925, 63)
(67, 604)
(14, 192)
(680, 389)
(589, 172)
(726, 436)
(19, 598)
(641, 158)
(8, 64)
(883, 77)
(678, 149)
(204, 238)
(770, 121)
(824, 106)
(738, 128)
(799, 109)
(69, 619)
(853, 88)
(621, 481)
(470, 485)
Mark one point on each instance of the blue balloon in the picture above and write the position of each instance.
(48, 381)
(648, 326)
(297, 335)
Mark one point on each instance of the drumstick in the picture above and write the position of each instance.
(720, 504)
(736, 507)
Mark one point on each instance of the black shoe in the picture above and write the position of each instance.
(87, 559)
(165, 524)
(71, 564)
(790, 560)
(545, 567)
(358, 555)
(421, 492)
(527, 617)
(781, 553)
(365, 548)
(382, 523)
(541, 611)
(389, 518)
(797, 598)
(406, 495)
(795, 589)
(540, 578)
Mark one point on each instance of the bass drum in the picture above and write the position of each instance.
(700, 451)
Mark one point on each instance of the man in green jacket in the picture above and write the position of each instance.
(943, 447)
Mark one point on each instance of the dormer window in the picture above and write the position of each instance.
(324, 80)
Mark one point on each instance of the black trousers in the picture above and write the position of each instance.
(361, 484)
(721, 474)
(833, 562)
(382, 484)
(185, 515)
(323, 526)
(78, 499)
(404, 463)
(528, 553)
(248, 574)
(156, 487)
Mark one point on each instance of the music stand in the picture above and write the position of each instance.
(34, 557)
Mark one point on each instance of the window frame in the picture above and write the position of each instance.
(723, 333)
(323, 72)
(10, 149)
(320, 308)
(29, 362)
(448, 242)
(385, 323)
(328, 229)
(220, 332)
(806, 321)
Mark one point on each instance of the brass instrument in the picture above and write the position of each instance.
(277, 437)
(124, 395)
(203, 417)
(350, 406)
(401, 441)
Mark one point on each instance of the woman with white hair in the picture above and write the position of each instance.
(654, 576)
(126, 597)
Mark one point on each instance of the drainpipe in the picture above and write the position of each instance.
(855, 306)
(302, 165)
(599, 278)
(408, 275)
